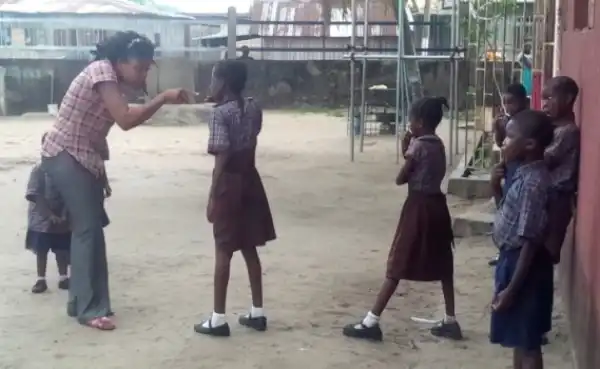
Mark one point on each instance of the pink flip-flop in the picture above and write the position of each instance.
(101, 323)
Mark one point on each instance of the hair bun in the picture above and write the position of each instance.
(443, 101)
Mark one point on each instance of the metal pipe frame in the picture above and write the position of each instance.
(363, 90)
(403, 57)
(352, 80)
(321, 23)
(402, 99)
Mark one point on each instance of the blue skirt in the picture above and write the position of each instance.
(524, 324)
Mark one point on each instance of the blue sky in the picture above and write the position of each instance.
(207, 6)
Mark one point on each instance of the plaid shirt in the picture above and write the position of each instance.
(40, 185)
(83, 121)
(522, 215)
(563, 157)
(230, 130)
(430, 156)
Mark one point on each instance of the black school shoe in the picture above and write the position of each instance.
(39, 287)
(64, 284)
(258, 324)
(220, 331)
(447, 330)
(363, 332)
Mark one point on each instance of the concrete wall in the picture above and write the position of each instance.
(579, 57)
(32, 84)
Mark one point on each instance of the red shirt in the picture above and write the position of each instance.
(83, 122)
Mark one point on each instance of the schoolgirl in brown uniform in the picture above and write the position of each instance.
(237, 207)
(422, 246)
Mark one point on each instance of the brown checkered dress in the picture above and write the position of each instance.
(83, 121)
(422, 246)
(238, 207)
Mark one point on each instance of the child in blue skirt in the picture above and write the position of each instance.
(524, 284)
(47, 228)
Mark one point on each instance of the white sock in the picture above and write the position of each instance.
(63, 277)
(449, 319)
(216, 320)
(256, 312)
(369, 321)
(41, 278)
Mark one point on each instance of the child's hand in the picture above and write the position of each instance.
(107, 191)
(503, 300)
(56, 219)
(497, 174)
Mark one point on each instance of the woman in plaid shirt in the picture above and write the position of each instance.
(74, 152)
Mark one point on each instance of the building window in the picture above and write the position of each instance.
(61, 37)
(35, 36)
(5, 36)
(583, 14)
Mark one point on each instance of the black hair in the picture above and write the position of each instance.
(565, 85)
(234, 75)
(536, 125)
(124, 45)
(517, 90)
(429, 110)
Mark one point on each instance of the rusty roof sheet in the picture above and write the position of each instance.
(311, 10)
(122, 7)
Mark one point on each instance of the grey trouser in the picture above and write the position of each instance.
(83, 195)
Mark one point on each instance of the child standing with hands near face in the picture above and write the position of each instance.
(524, 287)
(422, 246)
(47, 228)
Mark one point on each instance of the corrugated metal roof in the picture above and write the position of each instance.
(123, 7)
(311, 10)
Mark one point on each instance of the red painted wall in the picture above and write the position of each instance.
(580, 59)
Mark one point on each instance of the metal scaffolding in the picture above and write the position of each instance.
(408, 80)
(487, 47)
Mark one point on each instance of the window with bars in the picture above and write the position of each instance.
(35, 36)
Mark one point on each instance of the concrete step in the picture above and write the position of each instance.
(475, 186)
(473, 223)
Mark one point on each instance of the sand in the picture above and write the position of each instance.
(335, 221)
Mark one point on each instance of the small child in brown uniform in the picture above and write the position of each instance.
(422, 246)
(562, 158)
(47, 228)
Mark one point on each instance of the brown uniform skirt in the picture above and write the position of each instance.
(560, 212)
(239, 210)
(422, 247)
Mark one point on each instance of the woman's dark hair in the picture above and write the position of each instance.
(124, 45)
(429, 110)
(234, 75)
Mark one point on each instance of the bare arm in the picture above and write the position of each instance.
(406, 171)
(523, 266)
(499, 128)
(125, 116)
(220, 161)
(42, 204)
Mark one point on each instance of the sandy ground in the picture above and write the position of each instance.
(335, 221)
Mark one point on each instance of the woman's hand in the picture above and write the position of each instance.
(176, 96)
(209, 210)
